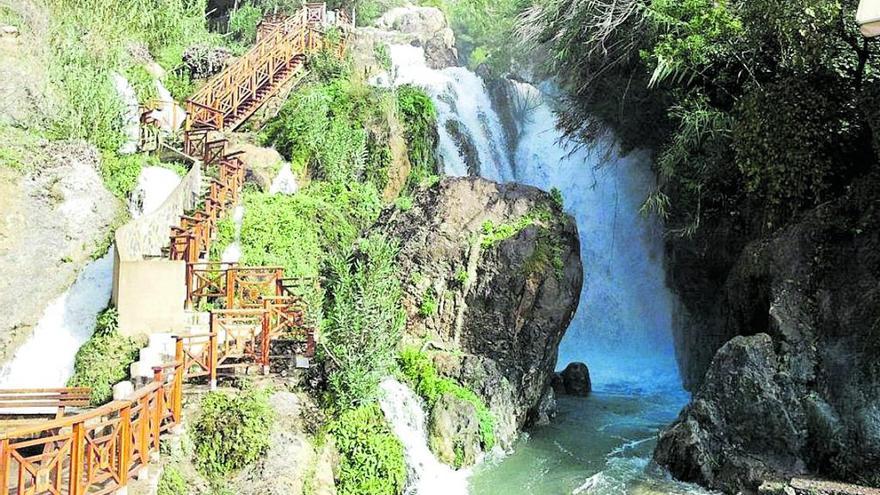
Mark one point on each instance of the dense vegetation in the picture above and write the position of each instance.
(231, 431)
(371, 461)
(104, 360)
(758, 110)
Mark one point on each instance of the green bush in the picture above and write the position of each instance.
(364, 320)
(120, 172)
(104, 360)
(371, 456)
(429, 304)
(231, 431)
(171, 482)
(243, 23)
(421, 374)
(419, 118)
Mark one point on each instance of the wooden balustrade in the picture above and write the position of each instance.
(94, 452)
(282, 44)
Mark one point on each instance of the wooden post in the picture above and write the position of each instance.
(189, 280)
(212, 355)
(160, 405)
(124, 445)
(76, 456)
(230, 287)
(4, 466)
(264, 336)
(178, 380)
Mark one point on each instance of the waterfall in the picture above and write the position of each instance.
(284, 182)
(47, 357)
(464, 115)
(232, 253)
(426, 475)
(153, 187)
(622, 328)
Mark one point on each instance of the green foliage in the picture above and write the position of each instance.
(371, 456)
(171, 482)
(243, 23)
(19, 148)
(231, 431)
(104, 360)
(338, 129)
(404, 203)
(380, 51)
(692, 33)
(90, 40)
(120, 172)
(419, 117)
(461, 277)
(224, 237)
(556, 196)
(179, 83)
(421, 374)
(428, 307)
(757, 93)
(364, 320)
(494, 234)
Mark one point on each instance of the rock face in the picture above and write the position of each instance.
(54, 220)
(576, 379)
(454, 431)
(797, 389)
(493, 272)
(411, 25)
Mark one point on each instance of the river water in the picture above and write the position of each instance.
(601, 444)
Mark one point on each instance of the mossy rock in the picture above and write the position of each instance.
(454, 431)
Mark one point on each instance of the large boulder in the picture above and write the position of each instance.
(492, 273)
(797, 387)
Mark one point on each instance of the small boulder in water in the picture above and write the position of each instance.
(454, 431)
(576, 379)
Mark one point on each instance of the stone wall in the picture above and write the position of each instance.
(149, 290)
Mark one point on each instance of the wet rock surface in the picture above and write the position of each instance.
(576, 379)
(426, 27)
(796, 390)
(502, 303)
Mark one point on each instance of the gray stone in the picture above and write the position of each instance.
(576, 379)
(502, 307)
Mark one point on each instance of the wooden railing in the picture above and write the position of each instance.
(282, 43)
(97, 451)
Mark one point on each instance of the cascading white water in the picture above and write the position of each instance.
(459, 96)
(623, 326)
(284, 182)
(232, 252)
(153, 187)
(46, 359)
(426, 475)
(622, 329)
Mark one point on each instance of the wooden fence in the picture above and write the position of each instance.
(95, 452)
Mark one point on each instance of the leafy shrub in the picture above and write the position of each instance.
(429, 304)
(371, 456)
(421, 374)
(364, 320)
(104, 360)
(243, 23)
(120, 172)
(171, 482)
(231, 431)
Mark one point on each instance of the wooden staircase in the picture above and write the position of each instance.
(284, 42)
